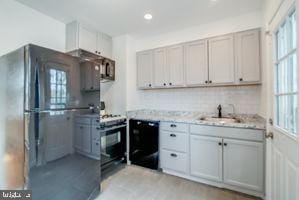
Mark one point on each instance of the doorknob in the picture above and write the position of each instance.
(270, 135)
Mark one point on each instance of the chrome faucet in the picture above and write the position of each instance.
(219, 111)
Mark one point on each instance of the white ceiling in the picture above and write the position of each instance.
(117, 17)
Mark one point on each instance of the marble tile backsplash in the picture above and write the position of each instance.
(246, 99)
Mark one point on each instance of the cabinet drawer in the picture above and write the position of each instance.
(83, 120)
(227, 132)
(178, 127)
(96, 135)
(174, 141)
(174, 161)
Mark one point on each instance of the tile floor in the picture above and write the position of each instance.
(136, 183)
(73, 177)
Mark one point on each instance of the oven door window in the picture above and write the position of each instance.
(113, 145)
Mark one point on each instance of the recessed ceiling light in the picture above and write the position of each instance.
(148, 16)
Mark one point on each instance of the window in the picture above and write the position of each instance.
(286, 80)
(58, 90)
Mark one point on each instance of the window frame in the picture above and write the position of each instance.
(286, 57)
(58, 67)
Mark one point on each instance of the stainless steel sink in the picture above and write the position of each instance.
(222, 120)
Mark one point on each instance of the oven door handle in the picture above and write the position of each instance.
(112, 130)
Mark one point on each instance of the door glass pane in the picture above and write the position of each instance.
(293, 73)
(282, 77)
(282, 111)
(293, 30)
(282, 41)
(293, 113)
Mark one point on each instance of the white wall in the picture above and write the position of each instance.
(228, 25)
(246, 99)
(114, 93)
(21, 25)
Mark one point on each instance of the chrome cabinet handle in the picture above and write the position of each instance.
(172, 135)
(270, 135)
(172, 125)
(151, 124)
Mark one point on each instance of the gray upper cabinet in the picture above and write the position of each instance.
(90, 77)
(196, 63)
(145, 69)
(247, 45)
(79, 36)
(175, 65)
(221, 60)
(160, 68)
(232, 59)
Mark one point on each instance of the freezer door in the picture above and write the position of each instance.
(53, 80)
(12, 120)
(54, 90)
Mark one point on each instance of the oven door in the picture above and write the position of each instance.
(113, 145)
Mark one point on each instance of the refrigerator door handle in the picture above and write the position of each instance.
(75, 109)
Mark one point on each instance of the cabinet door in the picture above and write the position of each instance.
(221, 60)
(175, 56)
(87, 76)
(206, 157)
(243, 164)
(248, 56)
(104, 45)
(144, 69)
(78, 136)
(86, 139)
(87, 39)
(196, 63)
(160, 68)
(96, 76)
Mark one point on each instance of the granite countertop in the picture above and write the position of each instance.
(247, 121)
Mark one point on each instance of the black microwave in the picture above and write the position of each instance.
(107, 70)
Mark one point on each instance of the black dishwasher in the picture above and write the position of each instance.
(144, 143)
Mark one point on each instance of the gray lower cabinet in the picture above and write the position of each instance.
(83, 138)
(206, 157)
(243, 164)
(232, 158)
(87, 137)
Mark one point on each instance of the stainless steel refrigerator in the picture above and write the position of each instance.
(39, 98)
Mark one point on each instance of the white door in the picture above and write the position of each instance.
(175, 57)
(87, 40)
(160, 68)
(243, 164)
(196, 63)
(221, 60)
(283, 149)
(145, 69)
(248, 56)
(206, 157)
